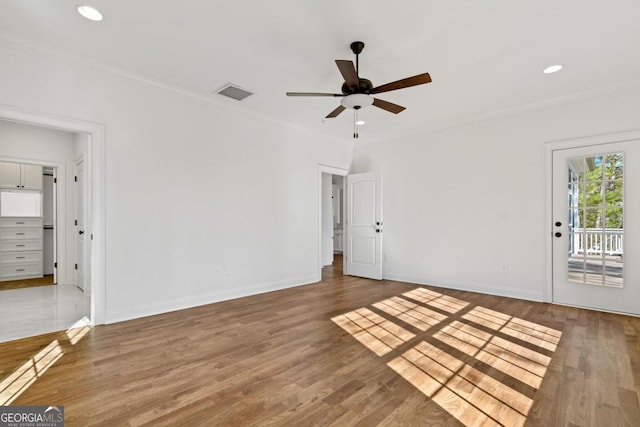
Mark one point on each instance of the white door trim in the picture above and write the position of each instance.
(96, 172)
(332, 170)
(548, 149)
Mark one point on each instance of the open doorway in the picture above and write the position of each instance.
(93, 135)
(331, 218)
(50, 231)
(41, 245)
(27, 216)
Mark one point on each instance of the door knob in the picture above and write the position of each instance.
(558, 234)
(81, 232)
(558, 223)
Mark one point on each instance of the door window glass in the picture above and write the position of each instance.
(595, 223)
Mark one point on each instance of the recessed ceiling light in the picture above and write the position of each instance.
(552, 69)
(360, 122)
(90, 13)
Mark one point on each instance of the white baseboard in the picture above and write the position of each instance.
(160, 307)
(481, 288)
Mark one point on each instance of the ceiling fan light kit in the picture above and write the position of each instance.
(357, 101)
(357, 92)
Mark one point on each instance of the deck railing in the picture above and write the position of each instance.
(596, 241)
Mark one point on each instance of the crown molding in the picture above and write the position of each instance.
(60, 55)
(82, 61)
(512, 111)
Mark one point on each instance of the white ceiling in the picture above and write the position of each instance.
(485, 57)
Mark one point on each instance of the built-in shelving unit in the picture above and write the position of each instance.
(20, 248)
(21, 223)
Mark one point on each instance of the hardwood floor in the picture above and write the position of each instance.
(27, 283)
(346, 351)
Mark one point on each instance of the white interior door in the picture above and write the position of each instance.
(363, 256)
(596, 236)
(81, 261)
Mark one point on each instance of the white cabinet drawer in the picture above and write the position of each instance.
(21, 255)
(16, 222)
(21, 258)
(20, 271)
(20, 246)
(21, 234)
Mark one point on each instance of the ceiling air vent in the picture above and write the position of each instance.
(234, 92)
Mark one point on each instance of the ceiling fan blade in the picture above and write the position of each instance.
(388, 106)
(348, 71)
(420, 79)
(335, 112)
(313, 94)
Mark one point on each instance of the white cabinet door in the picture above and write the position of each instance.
(9, 175)
(31, 177)
(22, 176)
(364, 226)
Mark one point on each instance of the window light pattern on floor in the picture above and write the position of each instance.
(416, 315)
(25, 375)
(373, 331)
(480, 365)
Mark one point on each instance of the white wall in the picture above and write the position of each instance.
(460, 204)
(190, 185)
(34, 144)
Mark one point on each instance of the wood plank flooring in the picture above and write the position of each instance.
(345, 351)
(27, 283)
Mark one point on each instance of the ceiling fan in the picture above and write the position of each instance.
(357, 92)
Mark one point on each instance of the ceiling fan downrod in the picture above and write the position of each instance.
(356, 48)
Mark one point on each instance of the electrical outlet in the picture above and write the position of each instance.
(217, 271)
(227, 269)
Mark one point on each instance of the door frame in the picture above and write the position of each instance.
(56, 236)
(332, 170)
(96, 205)
(548, 149)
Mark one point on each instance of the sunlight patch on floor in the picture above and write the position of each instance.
(27, 373)
(79, 329)
(374, 331)
(494, 346)
(443, 302)
(416, 315)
